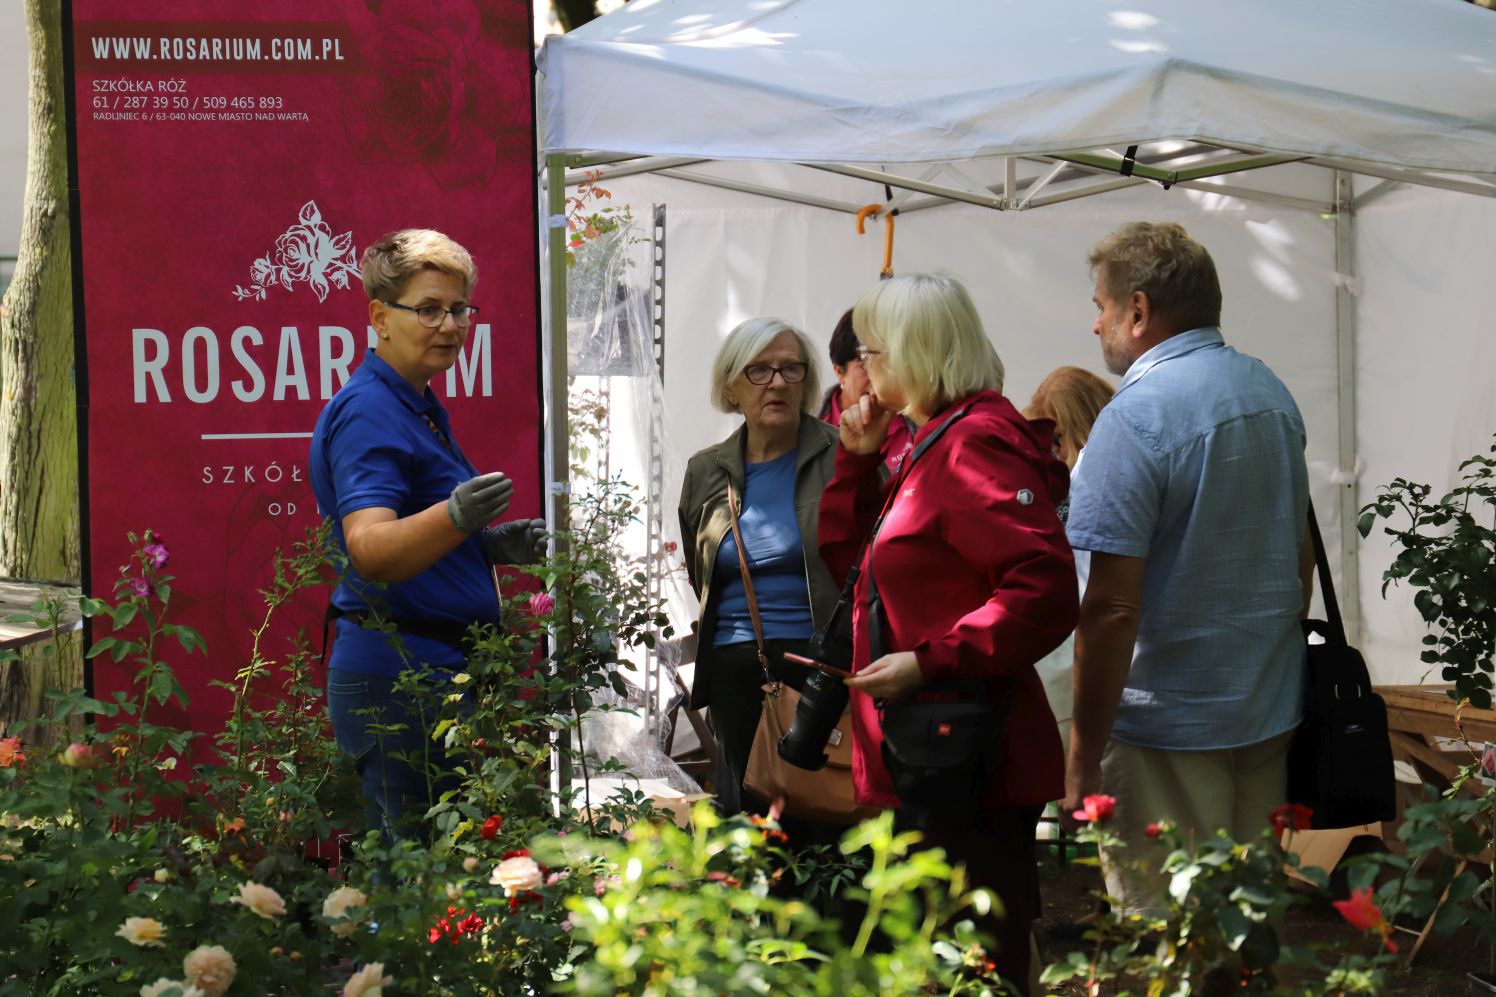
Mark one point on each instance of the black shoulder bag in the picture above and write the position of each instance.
(1340, 760)
(940, 743)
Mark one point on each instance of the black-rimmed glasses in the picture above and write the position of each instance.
(762, 373)
(432, 316)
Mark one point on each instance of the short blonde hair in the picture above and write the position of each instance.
(1071, 397)
(747, 341)
(389, 263)
(931, 337)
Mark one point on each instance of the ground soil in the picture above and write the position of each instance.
(1438, 970)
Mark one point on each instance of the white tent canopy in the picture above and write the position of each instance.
(1376, 86)
(1332, 106)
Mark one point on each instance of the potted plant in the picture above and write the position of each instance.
(1446, 551)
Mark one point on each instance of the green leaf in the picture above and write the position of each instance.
(1234, 926)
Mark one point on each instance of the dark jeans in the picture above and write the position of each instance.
(403, 771)
(999, 854)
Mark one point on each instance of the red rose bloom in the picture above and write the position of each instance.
(1291, 817)
(1097, 808)
(1360, 912)
(490, 829)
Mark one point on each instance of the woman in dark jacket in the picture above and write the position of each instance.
(974, 573)
(777, 464)
(851, 384)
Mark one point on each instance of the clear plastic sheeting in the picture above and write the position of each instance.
(621, 733)
(616, 386)
(607, 306)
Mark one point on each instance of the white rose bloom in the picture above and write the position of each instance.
(517, 874)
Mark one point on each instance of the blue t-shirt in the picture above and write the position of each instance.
(1197, 466)
(776, 560)
(380, 444)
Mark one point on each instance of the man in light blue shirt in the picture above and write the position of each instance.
(1192, 496)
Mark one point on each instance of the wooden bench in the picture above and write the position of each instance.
(24, 684)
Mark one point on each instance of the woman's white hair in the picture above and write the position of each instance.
(747, 341)
(931, 337)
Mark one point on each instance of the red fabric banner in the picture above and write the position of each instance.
(230, 174)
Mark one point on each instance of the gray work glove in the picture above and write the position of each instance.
(520, 542)
(478, 501)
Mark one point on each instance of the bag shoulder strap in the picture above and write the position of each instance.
(1326, 583)
(758, 625)
(874, 600)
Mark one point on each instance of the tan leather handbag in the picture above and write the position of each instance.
(825, 794)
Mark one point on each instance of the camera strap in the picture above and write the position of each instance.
(758, 625)
(875, 623)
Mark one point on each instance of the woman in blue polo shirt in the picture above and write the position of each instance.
(409, 511)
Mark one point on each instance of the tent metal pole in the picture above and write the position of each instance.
(1406, 176)
(1367, 196)
(586, 160)
(556, 415)
(1266, 197)
(650, 165)
(892, 180)
(760, 190)
(1041, 183)
(1345, 339)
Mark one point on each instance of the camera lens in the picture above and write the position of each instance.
(823, 699)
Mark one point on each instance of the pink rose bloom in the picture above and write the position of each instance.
(542, 604)
(262, 900)
(368, 982)
(158, 553)
(79, 756)
(210, 968)
(140, 587)
(517, 874)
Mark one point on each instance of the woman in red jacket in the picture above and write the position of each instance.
(972, 567)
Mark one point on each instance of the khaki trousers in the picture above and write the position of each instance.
(1200, 791)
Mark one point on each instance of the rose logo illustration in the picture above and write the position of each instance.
(308, 253)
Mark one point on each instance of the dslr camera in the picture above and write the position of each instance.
(823, 700)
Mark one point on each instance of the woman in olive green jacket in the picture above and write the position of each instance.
(777, 462)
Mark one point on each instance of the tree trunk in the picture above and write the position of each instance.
(574, 13)
(39, 532)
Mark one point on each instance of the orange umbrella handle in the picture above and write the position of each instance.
(876, 211)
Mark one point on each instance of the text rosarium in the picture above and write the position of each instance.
(196, 365)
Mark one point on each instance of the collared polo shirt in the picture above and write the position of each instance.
(381, 444)
(1197, 466)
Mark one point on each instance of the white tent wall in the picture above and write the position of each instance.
(734, 256)
(1425, 371)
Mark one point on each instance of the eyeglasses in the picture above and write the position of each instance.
(863, 352)
(432, 316)
(762, 373)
